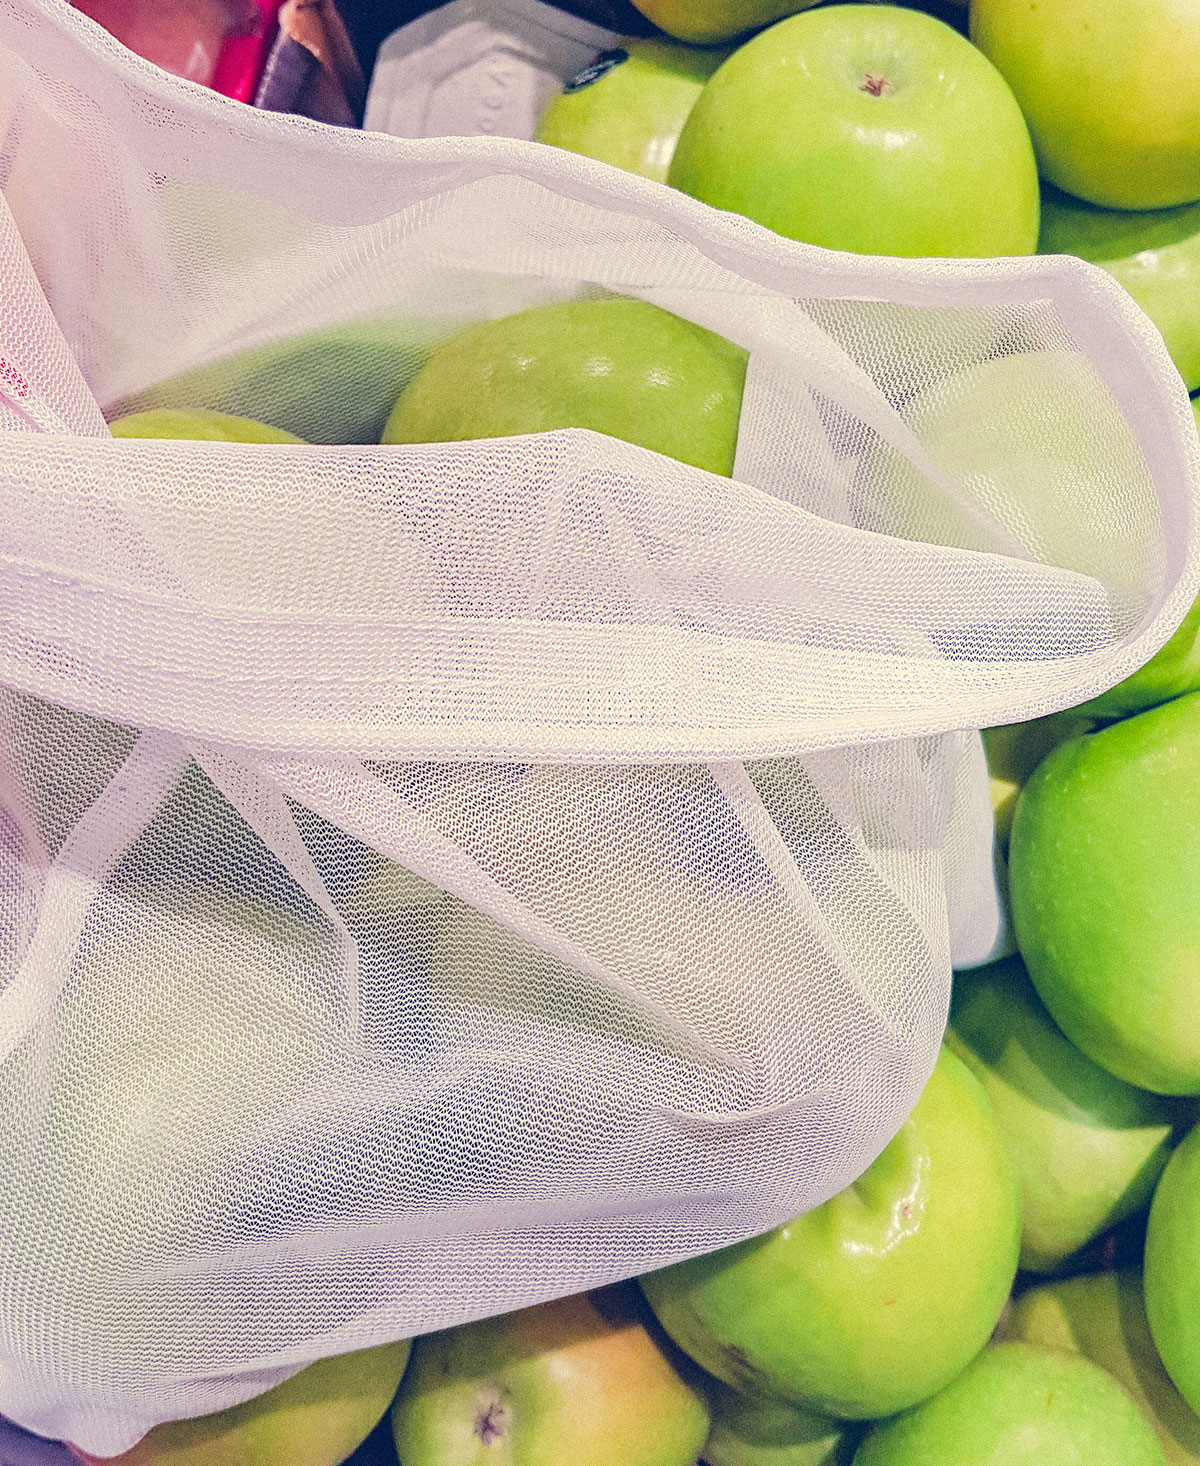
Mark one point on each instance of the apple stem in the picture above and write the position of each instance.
(876, 86)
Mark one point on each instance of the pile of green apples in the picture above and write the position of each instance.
(1002, 128)
(1016, 1278)
(880, 1329)
(958, 1305)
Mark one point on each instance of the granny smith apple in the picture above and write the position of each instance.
(221, 1088)
(315, 1418)
(615, 365)
(1102, 1316)
(384, 890)
(707, 22)
(200, 423)
(1020, 1405)
(1015, 750)
(580, 1380)
(246, 556)
(1171, 1282)
(1173, 670)
(1111, 91)
(628, 106)
(869, 128)
(1015, 459)
(334, 385)
(1155, 256)
(1035, 464)
(878, 1298)
(1105, 843)
(164, 1084)
(1087, 1147)
(55, 793)
(480, 965)
(398, 920)
(759, 1432)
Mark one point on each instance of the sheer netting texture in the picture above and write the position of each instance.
(439, 878)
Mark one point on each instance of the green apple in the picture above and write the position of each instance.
(165, 1086)
(384, 890)
(51, 795)
(1172, 671)
(1087, 1147)
(580, 1380)
(869, 128)
(1020, 1405)
(1155, 256)
(707, 22)
(628, 106)
(178, 1085)
(1171, 1283)
(315, 1418)
(1014, 751)
(616, 365)
(335, 385)
(878, 1298)
(398, 920)
(1102, 1317)
(198, 422)
(1111, 91)
(238, 559)
(479, 965)
(1105, 843)
(1034, 465)
(750, 1432)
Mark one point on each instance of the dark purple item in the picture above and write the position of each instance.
(20, 1448)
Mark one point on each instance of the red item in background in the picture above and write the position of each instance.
(220, 43)
(240, 65)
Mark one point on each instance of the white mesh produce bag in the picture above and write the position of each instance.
(438, 878)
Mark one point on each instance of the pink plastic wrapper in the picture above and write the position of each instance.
(220, 43)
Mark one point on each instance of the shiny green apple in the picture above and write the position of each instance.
(580, 1381)
(616, 365)
(335, 385)
(1087, 1147)
(869, 128)
(708, 22)
(1155, 256)
(628, 106)
(1014, 751)
(1111, 91)
(1171, 1281)
(1020, 1405)
(1102, 860)
(1102, 1316)
(878, 1298)
(759, 1432)
(1172, 671)
(318, 1417)
(200, 423)
(237, 559)
(1033, 463)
